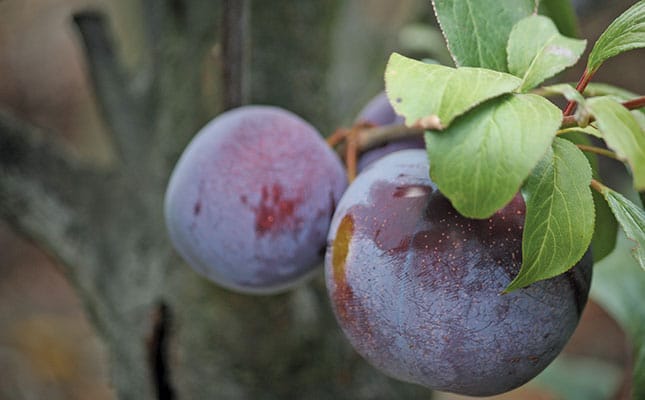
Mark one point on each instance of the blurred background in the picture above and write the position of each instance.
(48, 349)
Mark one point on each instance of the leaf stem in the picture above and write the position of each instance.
(337, 136)
(635, 104)
(580, 87)
(598, 150)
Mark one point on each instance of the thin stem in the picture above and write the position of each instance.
(580, 87)
(338, 136)
(635, 104)
(598, 150)
(351, 155)
(376, 136)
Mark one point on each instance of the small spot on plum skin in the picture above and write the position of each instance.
(197, 208)
(275, 212)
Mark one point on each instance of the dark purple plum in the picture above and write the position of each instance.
(417, 288)
(250, 200)
(379, 112)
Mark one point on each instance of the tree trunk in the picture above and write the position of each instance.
(170, 333)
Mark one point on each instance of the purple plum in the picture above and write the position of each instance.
(250, 200)
(417, 288)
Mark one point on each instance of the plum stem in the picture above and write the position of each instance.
(351, 154)
(337, 137)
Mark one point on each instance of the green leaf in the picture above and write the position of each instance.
(537, 51)
(477, 30)
(606, 226)
(436, 93)
(631, 218)
(481, 160)
(622, 133)
(618, 285)
(603, 89)
(605, 233)
(588, 130)
(627, 32)
(562, 14)
(559, 215)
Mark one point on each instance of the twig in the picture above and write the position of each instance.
(337, 136)
(351, 155)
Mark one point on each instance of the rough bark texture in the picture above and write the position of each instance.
(170, 333)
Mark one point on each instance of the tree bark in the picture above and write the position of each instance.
(170, 333)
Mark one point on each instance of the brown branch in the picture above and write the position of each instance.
(367, 138)
(377, 136)
(634, 104)
(351, 156)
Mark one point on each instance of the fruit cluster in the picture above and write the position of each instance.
(258, 198)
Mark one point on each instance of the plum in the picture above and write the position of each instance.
(250, 200)
(379, 112)
(417, 288)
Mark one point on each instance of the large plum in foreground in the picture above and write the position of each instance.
(250, 200)
(417, 288)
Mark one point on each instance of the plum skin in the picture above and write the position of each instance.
(250, 200)
(416, 287)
